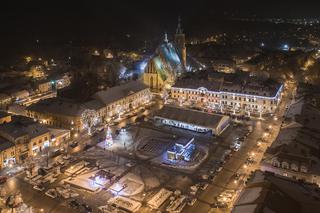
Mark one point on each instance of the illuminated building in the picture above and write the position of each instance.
(57, 113)
(108, 104)
(168, 62)
(4, 117)
(192, 120)
(29, 137)
(229, 93)
(5, 100)
(7, 153)
(183, 149)
(124, 98)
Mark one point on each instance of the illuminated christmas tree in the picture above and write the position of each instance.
(109, 140)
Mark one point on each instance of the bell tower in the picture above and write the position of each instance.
(180, 42)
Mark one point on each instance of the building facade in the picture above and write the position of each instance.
(28, 137)
(124, 98)
(192, 120)
(250, 98)
(108, 104)
(7, 153)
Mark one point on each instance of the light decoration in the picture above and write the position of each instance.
(109, 140)
(89, 119)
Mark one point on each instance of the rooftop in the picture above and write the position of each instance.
(190, 116)
(23, 127)
(5, 144)
(58, 106)
(116, 93)
(231, 82)
(4, 114)
(269, 193)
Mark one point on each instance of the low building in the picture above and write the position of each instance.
(44, 86)
(29, 137)
(229, 93)
(5, 100)
(295, 152)
(124, 98)
(20, 94)
(107, 104)
(58, 113)
(7, 153)
(183, 149)
(266, 192)
(59, 136)
(192, 120)
(4, 117)
(226, 66)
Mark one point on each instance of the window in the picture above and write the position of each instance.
(303, 169)
(275, 163)
(294, 167)
(285, 165)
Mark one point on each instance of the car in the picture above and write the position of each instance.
(38, 188)
(192, 201)
(219, 169)
(204, 186)
(3, 179)
(51, 193)
(219, 205)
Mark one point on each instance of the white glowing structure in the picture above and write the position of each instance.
(109, 140)
(89, 118)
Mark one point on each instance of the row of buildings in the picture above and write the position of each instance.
(229, 93)
(21, 138)
(108, 104)
(25, 91)
(295, 152)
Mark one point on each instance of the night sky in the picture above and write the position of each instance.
(24, 21)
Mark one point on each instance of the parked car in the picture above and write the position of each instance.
(219, 205)
(192, 201)
(219, 169)
(51, 193)
(204, 186)
(39, 188)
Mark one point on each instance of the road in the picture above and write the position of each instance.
(236, 164)
(224, 180)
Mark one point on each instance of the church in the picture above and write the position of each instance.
(168, 62)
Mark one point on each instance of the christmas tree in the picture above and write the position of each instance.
(108, 141)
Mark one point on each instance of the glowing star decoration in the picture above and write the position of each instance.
(109, 140)
(89, 118)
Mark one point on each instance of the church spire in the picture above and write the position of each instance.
(179, 29)
(165, 37)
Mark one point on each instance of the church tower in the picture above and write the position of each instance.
(180, 42)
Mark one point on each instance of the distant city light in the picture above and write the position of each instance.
(285, 47)
(262, 44)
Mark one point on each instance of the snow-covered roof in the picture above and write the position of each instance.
(119, 92)
(188, 116)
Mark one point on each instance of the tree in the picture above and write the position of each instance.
(89, 118)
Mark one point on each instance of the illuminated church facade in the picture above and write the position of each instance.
(168, 62)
